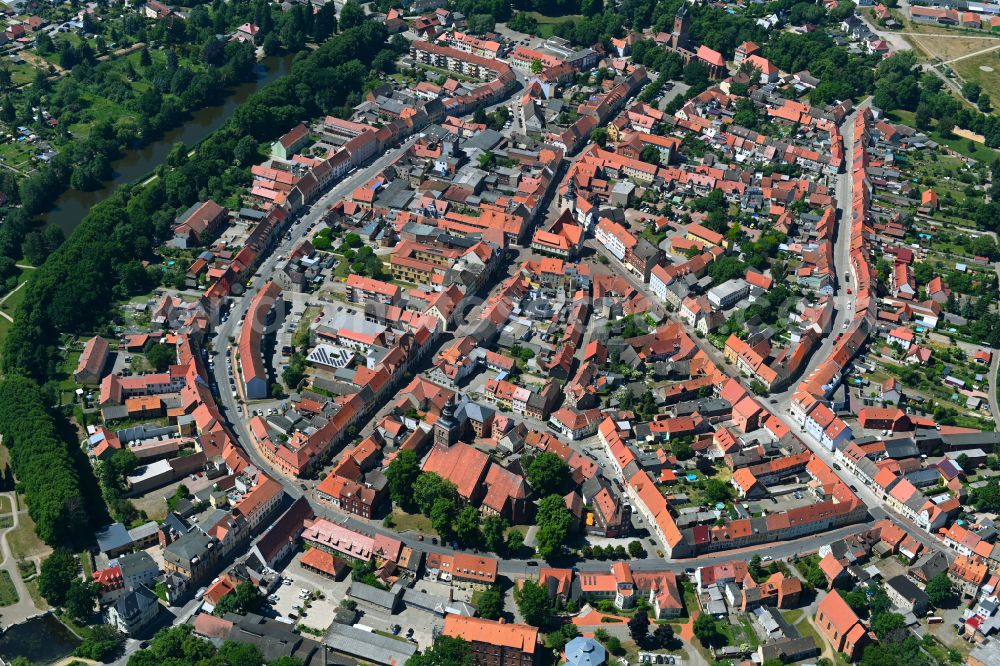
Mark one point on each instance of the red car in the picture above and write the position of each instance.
(848, 290)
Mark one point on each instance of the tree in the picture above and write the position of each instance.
(816, 578)
(81, 598)
(556, 640)
(467, 527)
(34, 248)
(755, 568)
(885, 624)
(244, 598)
(489, 603)
(232, 653)
(161, 356)
(442, 517)
(858, 602)
(514, 541)
(536, 66)
(548, 474)
(987, 498)
(53, 484)
(705, 630)
(696, 74)
(352, 15)
(726, 268)
(553, 520)
(534, 603)
(664, 635)
(717, 491)
(494, 529)
(246, 151)
(636, 550)
(446, 651)
(972, 90)
(428, 488)
(325, 22)
(939, 591)
(945, 126)
(682, 450)
(58, 571)
(650, 155)
(272, 44)
(638, 626)
(101, 643)
(745, 114)
(401, 476)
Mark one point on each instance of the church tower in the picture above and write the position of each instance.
(446, 427)
(682, 27)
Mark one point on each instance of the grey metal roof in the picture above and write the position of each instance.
(369, 646)
(113, 537)
(373, 595)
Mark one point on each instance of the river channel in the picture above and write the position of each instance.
(73, 205)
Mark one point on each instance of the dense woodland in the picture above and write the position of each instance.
(49, 466)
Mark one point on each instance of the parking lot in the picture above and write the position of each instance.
(286, 600)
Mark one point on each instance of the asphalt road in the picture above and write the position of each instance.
(227, 401)
(843, 303)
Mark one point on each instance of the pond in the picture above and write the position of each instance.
(43, 639)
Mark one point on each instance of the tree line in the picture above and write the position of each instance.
(47, 465)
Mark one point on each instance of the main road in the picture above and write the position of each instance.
(229, 327)
(843, 303)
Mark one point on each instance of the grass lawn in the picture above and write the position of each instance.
(17, 154)
(35, 595)
(5, 506)
(21, 73)
(24, 543)
(690, 598)
(970, 70)
(85, 563)
(8, 594)
(547, 24)
(301, 337)
(797, 619)
(412, 522)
